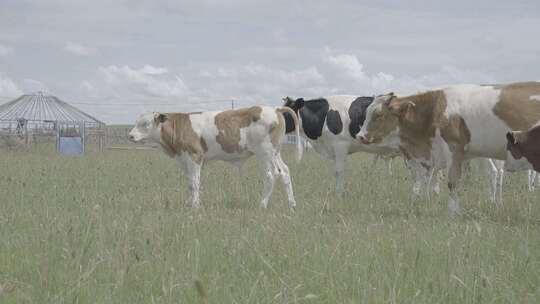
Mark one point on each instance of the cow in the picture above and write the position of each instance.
(330, 124)
(233, 136)
(525, 144)
(468, 120)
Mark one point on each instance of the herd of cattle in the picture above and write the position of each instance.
(433, 130)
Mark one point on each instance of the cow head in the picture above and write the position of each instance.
(295, 104)
(381, 119)
(147, 127)
(513, 144)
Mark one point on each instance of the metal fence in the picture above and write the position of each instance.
(103, 138)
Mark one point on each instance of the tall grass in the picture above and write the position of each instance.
(114, 228)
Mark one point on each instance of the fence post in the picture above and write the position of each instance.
(83, 137)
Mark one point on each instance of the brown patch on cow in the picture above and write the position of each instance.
(515, 106)
(229, 124)
(204, 146)
(457, 135)
(418, 122)
(178, 136)
(455, 132)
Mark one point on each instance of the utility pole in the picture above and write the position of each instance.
(232, 104)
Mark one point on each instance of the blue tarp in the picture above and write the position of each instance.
(71, 146)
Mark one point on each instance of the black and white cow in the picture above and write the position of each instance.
(331, 125)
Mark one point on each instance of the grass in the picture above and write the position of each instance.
(113, 228)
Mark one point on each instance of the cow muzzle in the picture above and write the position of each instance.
(364, 139)
(134, 138)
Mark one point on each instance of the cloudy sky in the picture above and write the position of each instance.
(116, 59)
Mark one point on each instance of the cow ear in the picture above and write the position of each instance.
(160, 117)
(289, 102)
(511, 139)
(388, 98)
(404, 108)
(299, 103)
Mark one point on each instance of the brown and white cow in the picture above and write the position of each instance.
(467, 121)
(525, 144)
(233, 136)
(330, 124)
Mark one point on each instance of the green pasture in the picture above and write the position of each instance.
(114, 227)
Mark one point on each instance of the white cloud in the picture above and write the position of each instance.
(257, 83)
(8, 88)
(334, 73)
(79, 50)
(32, 86)
(151, 70)
(148, 81)
(349, 64)
(87, 86)
(347, 75)
(350, 74)
(4, 50)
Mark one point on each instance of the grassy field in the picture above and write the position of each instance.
(113, 228)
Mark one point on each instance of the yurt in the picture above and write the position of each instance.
(34, 118)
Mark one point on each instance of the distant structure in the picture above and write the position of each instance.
(290, 139)
(38, 117)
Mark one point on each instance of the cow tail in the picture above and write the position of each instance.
(299, 146)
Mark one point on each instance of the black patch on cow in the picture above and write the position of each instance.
(313, 114)
(333, 121)
(357, 114)
(289, 122)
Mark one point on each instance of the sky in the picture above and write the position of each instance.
(119, 59)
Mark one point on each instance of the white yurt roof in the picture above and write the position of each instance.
(40, 107)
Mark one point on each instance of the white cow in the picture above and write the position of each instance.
(471, 121)
(233, 136)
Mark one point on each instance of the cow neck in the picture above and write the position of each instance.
(167, 139)
(417, 127)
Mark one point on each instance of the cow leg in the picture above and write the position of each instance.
(454, 175)
(492, 173)
(193, 171)
(283, 172)
(430, 173)
(500, 185)
(532, 179)
(340, 155)
(389, 165)
(418, 183)
(421, 178)
(266, 157)
(437, 184)
(374, 161)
